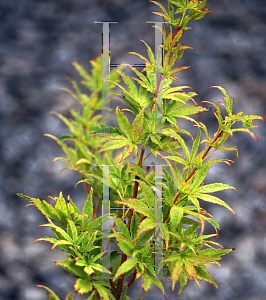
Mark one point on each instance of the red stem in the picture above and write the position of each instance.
(124, 256)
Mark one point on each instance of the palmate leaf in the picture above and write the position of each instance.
(134, 98)
(151, 63)
(45, 208)
(165, 15)
(229, 102)
(193, 266)
(58, 229)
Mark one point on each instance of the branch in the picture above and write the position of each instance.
(219, 134)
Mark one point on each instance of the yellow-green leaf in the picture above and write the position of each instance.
(176, 272)
(215, 200)
(176, 214)
(213, 187)
(82, 286)
(126, 266)
(123, 123)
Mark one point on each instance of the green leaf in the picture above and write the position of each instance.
(229, 102)
(92, 296)
(134, 225)
(110, 258)
(88, 205)
(73, 232)
(144, 237)
(115, 144)
(137, 126)
(195, 145)
(176, 214)
(213, 187)
(62, 233)
(129, 149)
(163, 9)
(70, 296)
(45, 208)
(102, 128)
(139, 206)
(99, 268)
(60, 242)
(146, 225)
(148, 194)
(214, 253)
(83, 286)
(215, 200)
(125, 245)
(123, 123)
(124, 294)
(246, 130)
(171, 184)
(50, 293)
(103, 291)
(199, 177)
(70, 266)
(183, 279)
(177, 159)
(203, 274)
(158, 283)
(123, 227)
(176, 272)
(146, 282)
(126, 266)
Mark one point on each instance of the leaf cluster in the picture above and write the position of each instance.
(138, 192)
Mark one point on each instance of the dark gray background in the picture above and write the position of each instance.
(38, 42)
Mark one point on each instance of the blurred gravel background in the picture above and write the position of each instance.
(38, 41)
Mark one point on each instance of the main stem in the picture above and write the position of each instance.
(124, 256)
(118, 291)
